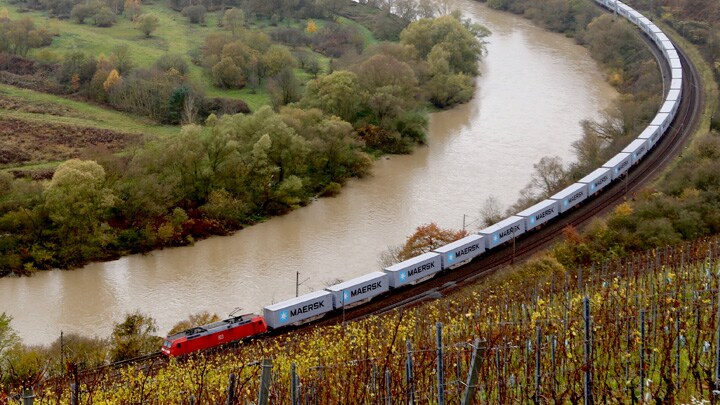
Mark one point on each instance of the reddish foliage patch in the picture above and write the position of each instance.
(23, 142)
(17, 64)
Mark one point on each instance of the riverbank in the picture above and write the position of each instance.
(342, 237)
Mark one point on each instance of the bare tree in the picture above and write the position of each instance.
(190, 109)
(390, 256)
(549, 175)
(491, 212)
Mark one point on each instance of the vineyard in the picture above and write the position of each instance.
(639, 330)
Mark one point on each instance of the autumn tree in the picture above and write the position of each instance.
(426, 238)
(338, 93)
(234, 21)
(335, 154)
(19, 36)
(133, 9)
(276, 59)
(447, 32)
(113, 79)
(133, 337)
(147, 24)
(193, 320)
(77, 201)
(121, 58)
(227, 75)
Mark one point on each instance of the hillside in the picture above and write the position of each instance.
(653, 327)
(278, 105)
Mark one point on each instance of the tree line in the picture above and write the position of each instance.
(628, 66)
(682, 205)
(235, 169)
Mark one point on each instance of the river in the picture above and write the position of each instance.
(534, 90)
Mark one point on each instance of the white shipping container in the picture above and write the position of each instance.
(503, 231)
(539, 213)
(412, 270)
(676, 74)
(676, 84)
(359, 289)
(652, 134)
(619, 164)
(654, 29)
(637, 149)
(571, 196)
(597, 180)
(298, 309)
(461, 251)
(673, 95)
(667, 107)
(661, 120)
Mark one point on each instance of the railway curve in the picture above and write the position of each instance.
(670, 145)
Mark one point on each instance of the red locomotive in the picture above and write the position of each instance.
(213, 334)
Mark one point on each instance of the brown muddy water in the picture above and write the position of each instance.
(534, 90)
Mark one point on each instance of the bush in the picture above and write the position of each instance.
(220, 106)
(80, 12)
(227, 75)
(105, 18)
(172, 61)
(196, 14)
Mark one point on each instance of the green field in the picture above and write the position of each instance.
(175, 34)
(78, 113)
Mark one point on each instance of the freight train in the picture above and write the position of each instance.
(361, 289)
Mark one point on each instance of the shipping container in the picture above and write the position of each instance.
(461, 251)
(539, 213)
(651, 134)
(637, 149)
(676, 84)
(662, 120)
(359, 289)
(597, 180)
(673, 95)
(298, 309)
(571, 196)
(676, 74)
(654, 29)
(504, 231)
(412, 270)
(619, 164)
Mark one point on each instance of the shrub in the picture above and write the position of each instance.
(220, 106)
(80, 12)
(104, 18)
(196, 14)
(172, 61)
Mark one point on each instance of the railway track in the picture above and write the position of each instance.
(670, 146)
